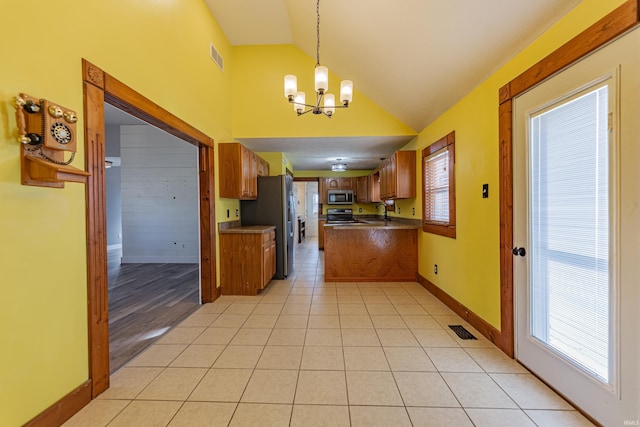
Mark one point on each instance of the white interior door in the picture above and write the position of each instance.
(576, 231)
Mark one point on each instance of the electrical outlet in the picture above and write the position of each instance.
(237, 213)
(413, 211)
(398, 209)
(359, 210)
(435, 268)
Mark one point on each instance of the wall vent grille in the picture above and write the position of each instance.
(217, 58)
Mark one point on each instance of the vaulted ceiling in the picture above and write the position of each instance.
(413, 58)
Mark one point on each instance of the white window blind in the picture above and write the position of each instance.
(569, 230)
(436, 193)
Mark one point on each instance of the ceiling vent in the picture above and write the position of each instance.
(217, 58)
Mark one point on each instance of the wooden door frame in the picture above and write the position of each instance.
(99, 87)
(613, 25)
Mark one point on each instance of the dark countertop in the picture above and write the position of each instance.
(373, 223)
(248, 229)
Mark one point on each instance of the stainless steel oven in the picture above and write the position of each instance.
(339, 216)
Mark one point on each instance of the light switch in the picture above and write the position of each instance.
(485, 191)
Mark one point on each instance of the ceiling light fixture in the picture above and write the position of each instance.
(321, 85)
(338, 166)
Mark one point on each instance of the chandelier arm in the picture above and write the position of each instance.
(305, 112)
(321, 107)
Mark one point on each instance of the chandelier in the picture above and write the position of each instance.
(327, 100)
(338, 166)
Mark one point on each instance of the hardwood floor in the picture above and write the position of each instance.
(145, 301)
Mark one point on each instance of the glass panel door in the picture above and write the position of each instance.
(569, 229)
(576, 198)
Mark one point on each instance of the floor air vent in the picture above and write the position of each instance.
(462, 332)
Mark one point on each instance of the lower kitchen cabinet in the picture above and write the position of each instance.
(247, 259)
(321, 223)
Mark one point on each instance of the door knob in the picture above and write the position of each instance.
(519, 251)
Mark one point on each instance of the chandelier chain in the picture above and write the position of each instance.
(318, 33)
(321, 82)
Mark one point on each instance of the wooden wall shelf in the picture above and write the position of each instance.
(42, 173)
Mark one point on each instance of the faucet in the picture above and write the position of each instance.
(385, 209)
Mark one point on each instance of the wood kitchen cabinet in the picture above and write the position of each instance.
(268, 257)
(263, 167)
(355, 254)
(238, 171)
(247, 259)
(321, 223)
(374, 187)
(398, 176)
(322, 191)
(363, 193)
(347, 184)
(334, 183)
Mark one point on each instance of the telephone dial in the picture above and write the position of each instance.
(47, 129)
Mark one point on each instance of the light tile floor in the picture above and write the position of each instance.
(310, 353)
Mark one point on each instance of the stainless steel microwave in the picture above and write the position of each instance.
(340, 197)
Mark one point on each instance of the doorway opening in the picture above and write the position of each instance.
(152, 233)
(306, 201)
(100, 88)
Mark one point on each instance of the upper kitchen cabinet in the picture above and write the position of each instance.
(263, 167)
(398, 176)
(374, 186)
(322, 190)
(363, 193)
(334, 183)
(338, 183)
(238, 171)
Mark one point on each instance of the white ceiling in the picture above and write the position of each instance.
(414, 58)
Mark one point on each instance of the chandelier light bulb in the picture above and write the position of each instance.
(290, 86)
(298, 103)
(346, 92)
(322, 79)
(329, 103)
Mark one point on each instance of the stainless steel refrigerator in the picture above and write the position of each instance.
(274, 206)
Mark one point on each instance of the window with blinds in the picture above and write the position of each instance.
(436, 203)
(569, 227)
(438, 213)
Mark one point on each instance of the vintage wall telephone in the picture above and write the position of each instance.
(46, 131)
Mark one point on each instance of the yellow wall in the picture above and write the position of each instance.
(258, 79)
(278, 163)
(161, 49)
(475, 121)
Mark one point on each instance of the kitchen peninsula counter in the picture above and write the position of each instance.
(371, 250)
